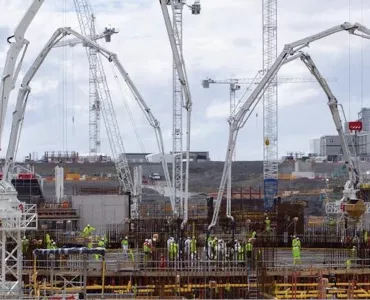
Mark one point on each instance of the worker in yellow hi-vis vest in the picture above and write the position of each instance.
(267, 224)
(296, 255)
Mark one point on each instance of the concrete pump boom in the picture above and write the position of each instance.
(11, 72)
(181, 71)
(238, 120)
(123, 170)
(354, 179)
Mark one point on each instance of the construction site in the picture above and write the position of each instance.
(178, 225)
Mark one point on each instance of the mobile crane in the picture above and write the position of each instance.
(237, 121)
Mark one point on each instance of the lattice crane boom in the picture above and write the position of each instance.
(86, 20)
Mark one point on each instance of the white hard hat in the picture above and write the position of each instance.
(126, 237)
(146, 240)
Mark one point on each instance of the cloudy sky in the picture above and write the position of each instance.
(225, 41)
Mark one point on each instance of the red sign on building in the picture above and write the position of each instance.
(355, 125)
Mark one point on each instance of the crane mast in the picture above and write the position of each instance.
(177, 166)
(270, 99)
(86, 20)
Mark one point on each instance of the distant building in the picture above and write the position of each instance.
(315, 146)
(359, 144)
(136, 157)
(157, 157)
(196, 156)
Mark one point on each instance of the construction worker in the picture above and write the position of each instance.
(249, 249)
(87, 231)
(254, 234)
(241, 254)
(348, 264)
(193, 248)
(146, 250)
(124, 244)
(296, 255)
(267, 224)
(25, 244)
(101, 244)
(187, 248)
(169, 251)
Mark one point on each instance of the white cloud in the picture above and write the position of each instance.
(224, 41)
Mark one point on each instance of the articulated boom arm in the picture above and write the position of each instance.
(108, 32)
(351, 187)
(173, 35)
(178, 56)
(237, 121)
(18, 115)
(150, 117)
(10, 72)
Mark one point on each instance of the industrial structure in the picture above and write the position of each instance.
(104, 240)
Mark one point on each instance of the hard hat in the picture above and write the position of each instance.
(188, 237)
(53, 243)
(126, 237)
(146, 240)
(24, 237)
(193, 236)
(297, 238)
(88, 225)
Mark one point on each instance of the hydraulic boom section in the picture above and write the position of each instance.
(11, 72)
(353, 206)
(237, 121)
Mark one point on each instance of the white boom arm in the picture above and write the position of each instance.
(351, 187)
(10, 72)
(108, 32)
(289, 53)
(181, 71)
(123, 171)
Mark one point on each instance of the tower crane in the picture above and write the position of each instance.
(270, 102)
(86, 20)
(237, 121)
(180, 88)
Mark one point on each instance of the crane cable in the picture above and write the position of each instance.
(128, 110)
